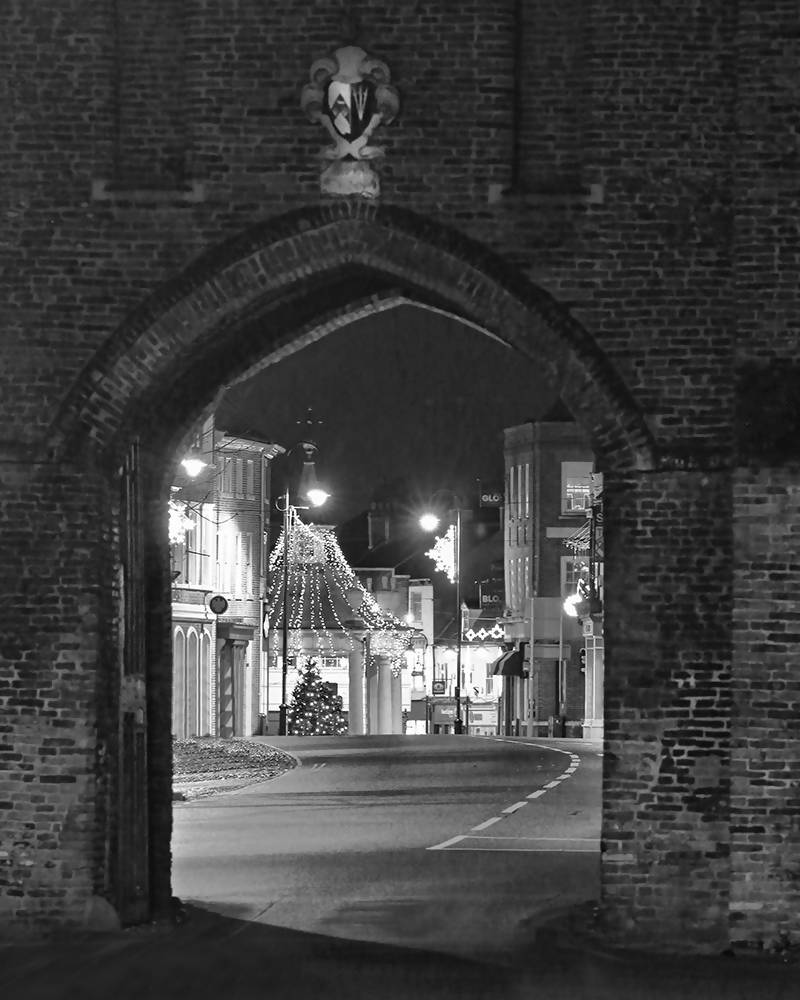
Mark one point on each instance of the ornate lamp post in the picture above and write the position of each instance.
(310, 490)
(450, 563)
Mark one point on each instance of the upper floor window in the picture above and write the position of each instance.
(522, 507)
(573, 569)
(238, 478)
(236, 574)
(192, 556)
(576, 487)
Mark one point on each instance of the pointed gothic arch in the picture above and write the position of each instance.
(247, 303)
(291, 280)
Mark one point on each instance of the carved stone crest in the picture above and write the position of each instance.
(350, 94)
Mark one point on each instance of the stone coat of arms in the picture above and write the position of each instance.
(350, 95)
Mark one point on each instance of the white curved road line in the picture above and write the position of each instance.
(486, 823)
(509, 810)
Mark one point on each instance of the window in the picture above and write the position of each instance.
(526, 486)
(227, 479)
(192, 556)
(245, 568)
(573, 568)
(415, 607)
(236, 562)
(576, 487)
(250, 479)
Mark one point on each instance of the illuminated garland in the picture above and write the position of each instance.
(320, 580)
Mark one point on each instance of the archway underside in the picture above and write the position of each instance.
(256, 299)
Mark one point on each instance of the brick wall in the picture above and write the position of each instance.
(765, 811)
(666, 774)
(55, 703)
(610, 193)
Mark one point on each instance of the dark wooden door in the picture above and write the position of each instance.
(132, 858)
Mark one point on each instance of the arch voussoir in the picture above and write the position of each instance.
(398, 253)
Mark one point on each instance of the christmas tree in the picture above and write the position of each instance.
(315, 709)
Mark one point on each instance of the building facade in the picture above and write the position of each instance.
(549, 468)
(219, 516)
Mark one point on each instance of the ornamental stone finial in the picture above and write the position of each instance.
(350, 94)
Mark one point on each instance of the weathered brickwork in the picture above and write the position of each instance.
(49, 548)
(611, 193)
(765, 793)
(666, 782)
(767, 200)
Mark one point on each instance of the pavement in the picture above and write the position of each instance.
(205, 955)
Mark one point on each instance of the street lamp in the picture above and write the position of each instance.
(450, 563)
(309, 489)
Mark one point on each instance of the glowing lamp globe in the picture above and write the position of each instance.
(316, 497)
(429, 522)
(193, 466)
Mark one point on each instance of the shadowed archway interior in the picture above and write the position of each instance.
(250, 303)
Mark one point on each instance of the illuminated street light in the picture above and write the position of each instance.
(194, 463)
(580, 604)
(447, 555)
(429, 522)
(310, 490)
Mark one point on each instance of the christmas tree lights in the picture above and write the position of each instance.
(315, 709)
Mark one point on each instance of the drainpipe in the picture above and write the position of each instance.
(516, 107)
(537, 506)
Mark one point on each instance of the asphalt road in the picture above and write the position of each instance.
(454, 844)
(408, 868)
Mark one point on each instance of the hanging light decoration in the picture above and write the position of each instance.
(320, 583)
(443, 553)
(179, 522)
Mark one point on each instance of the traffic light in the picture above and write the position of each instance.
(582, 659)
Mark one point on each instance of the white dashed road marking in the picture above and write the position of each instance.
(487, 823)
(538, 845)
(509, 810)
(448, 843)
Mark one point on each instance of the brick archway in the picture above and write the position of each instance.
(250, 301)
(292, 279)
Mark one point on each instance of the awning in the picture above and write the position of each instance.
(509, 664)
(581, 539)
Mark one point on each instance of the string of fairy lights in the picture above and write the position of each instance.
(325, 598)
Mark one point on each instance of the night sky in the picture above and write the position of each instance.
(404, 397)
